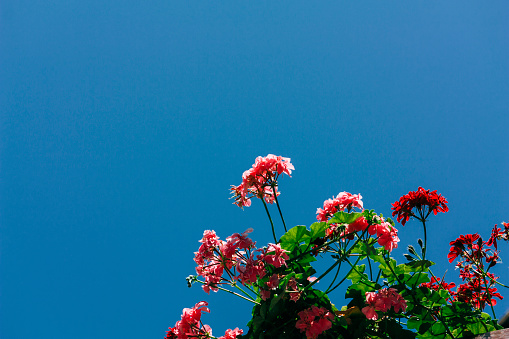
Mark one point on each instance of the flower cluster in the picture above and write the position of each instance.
(191, 327)
(436, 285)
(477, 258)
(314, 321)
(260, 181)
(236, 258)
(382, 301)
(386, 233)
(419, 199)
(341, 202)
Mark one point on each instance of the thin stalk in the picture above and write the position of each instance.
(342, 280)
(238, 295)
(279, 208)
(270, 219)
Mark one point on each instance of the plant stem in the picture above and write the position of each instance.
(270, 219)
(279, 209)
(238, 295)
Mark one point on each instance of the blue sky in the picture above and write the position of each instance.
(124, 124)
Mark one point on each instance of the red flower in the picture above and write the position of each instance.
(458, 245)
(436, 285)
(419, 199)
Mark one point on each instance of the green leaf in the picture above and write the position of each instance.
(318, 230)
(420, 265)
(294, 237)
(413, 323)
(417, 279)
(344, 218)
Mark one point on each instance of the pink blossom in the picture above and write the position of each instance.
(260, 181)
(242, 241)
(250, 270)
(293, 290)
(273, 282)
(189, 325)
(387, 236)
(314, 321)
(276, 256)
(264, 294)
(231, 334)
(382, 301)
(342, 201)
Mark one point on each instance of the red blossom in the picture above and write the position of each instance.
(418, 199)
(436, 285)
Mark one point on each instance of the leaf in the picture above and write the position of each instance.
(344, 218)
(417, 279)
(294, 237)
(420, 265)
(318, 230)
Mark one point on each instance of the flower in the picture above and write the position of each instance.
(261, 180)
(418, 199)
(382, 301)
(342, 201)
(231, 334)
(387, 235)
(275, 255)
(458, 245)
(189, 326)
(436, 285)
(314, 321)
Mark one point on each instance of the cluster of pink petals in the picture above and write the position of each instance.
(236, 256)
(231, 334)
(387, 235)
(261, 180)
(314, 321)
(276, 256)
(215, 255)
(342, 201)
(382, 301)
(293, 290)
(189, 326)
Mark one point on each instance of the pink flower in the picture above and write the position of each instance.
(189, 326)
(382, 301)
(260, 181)
(314, 321)
(251, 270)
(242, 241)
(276, 256)
(387, 235)
(231, 334)
(342, 201)
(293, 290)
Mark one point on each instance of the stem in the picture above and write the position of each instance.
(342, 280)
(279, 209)
(270, 219)
(238, 295)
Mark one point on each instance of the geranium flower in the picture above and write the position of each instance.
(419, 199)
(314, 321)
(231, 334)
(382, 301)
(342, 201)
(190, 324)
(275, 255)
(260, 181)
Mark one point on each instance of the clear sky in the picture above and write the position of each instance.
(124, 123)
